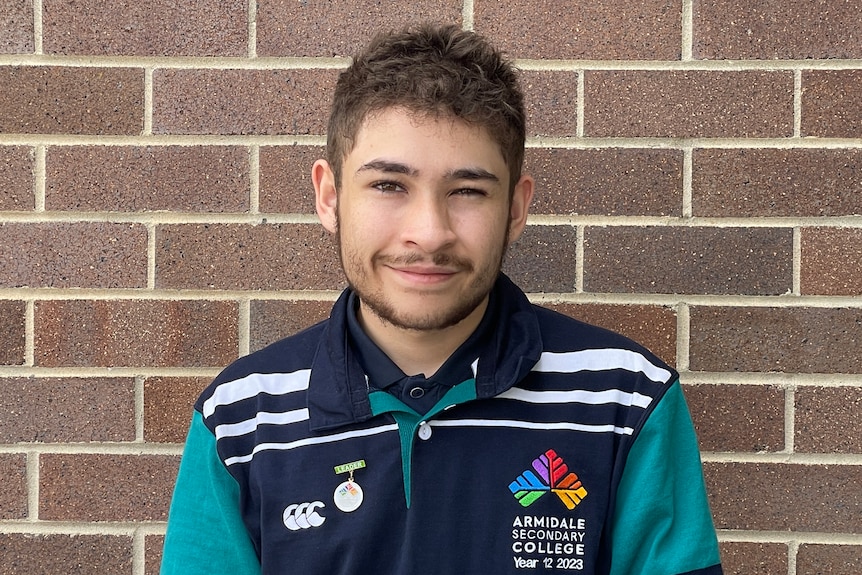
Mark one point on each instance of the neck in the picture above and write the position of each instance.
(419, 351)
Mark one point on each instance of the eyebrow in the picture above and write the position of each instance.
(387, 166)
(381, 165)
(472, 174)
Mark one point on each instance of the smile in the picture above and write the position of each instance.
(425, 275)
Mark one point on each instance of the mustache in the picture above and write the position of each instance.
(442, 259)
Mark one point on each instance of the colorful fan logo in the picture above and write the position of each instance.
(551, 475)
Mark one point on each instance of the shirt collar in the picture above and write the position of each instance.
(382, 372)
(338, 384)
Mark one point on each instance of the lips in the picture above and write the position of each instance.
(442, 263)
(417, 269)
(424, 275)
(426, 270)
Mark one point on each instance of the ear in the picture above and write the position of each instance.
(325, 194)
(521, 197)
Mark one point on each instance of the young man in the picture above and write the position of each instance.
(438, 423)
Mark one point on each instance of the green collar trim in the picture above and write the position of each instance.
(409, 420)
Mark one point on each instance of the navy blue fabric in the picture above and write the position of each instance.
(464, 517)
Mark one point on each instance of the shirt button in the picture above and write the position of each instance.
(417, 392)
(424, 431)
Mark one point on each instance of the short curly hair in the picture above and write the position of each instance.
(436, 70)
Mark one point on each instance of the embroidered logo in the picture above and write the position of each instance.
(303, 515)
(549, 474)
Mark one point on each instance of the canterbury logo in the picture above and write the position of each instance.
(551, 475)
(303, 515)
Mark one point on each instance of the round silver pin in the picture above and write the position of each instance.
(348, 496)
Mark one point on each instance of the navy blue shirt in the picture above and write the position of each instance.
(571, 450)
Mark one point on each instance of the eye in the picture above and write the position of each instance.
(469, 192)
(388, 187)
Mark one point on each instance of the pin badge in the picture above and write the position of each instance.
(348, 495)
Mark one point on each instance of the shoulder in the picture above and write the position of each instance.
(293, 352)
(585, 347)
(291, 355)
(560, 331)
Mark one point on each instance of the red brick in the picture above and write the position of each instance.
(829, 559)
(145, 28)
(652, 326)
(16, 173)
(772, 182)
(752, 261)
(832, 103)
(78, 254)
(777, 30)
(608, 30)
(153, 554)
(16, 27)
(12, 338)
(785, 497)
(827, 420)
(679, 104)
(285, 178)
(98, 487)
(37, 554)
(67, 410)
(831, 261)
(185, 333)
(738, 558)
(168, 404)
(747, 418)
(13, 489)
(266, 102)
(276, 319)
(71, 100)
(543, 259)
(550, 102)
(135, 179)
(230, 256)
(338, 27)
(612, 182)
(755, 339)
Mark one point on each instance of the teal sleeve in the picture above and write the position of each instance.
(662, 522)
(205, 532)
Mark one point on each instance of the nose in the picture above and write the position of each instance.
(427, 224)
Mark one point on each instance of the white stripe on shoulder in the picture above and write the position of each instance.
(262, 418)
(578, 396)
(600, 360)
(311, 441)
(255, 383)
(566, 426)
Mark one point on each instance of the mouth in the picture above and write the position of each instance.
(418, 271)
(424, 275)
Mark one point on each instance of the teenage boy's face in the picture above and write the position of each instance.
(423, 217)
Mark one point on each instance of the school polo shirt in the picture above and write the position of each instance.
(571, 450)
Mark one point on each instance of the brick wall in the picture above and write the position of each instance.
(699, 168)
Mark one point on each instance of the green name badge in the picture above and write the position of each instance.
(350, 466)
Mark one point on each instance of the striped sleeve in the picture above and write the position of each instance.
(205, 532)
(662, 522)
